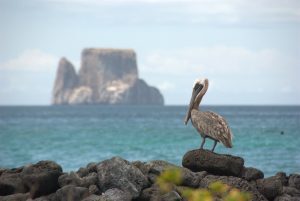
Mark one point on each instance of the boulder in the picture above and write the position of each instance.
(286, 197)
(69, 179)
(15, 197)
(82, 172)
(92, 167)
(235, 182)
(94, 198)
(142, 166)
(2, 170)
(119, 173)
(90, 179)
(270, 187)
(71, 192)
(150, 194)
(11, 182)
(41, 178)
(115, 194)
(294, 181)
(292, 191)
(219, 164)
(283, 178)
(189, 178)
(154, 194)
(74, 179)
(50, 197)
(250, 173)
(93, 189)
(171, 196)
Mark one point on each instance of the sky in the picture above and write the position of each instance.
(249, 50)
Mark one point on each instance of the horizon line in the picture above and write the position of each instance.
(166, 105)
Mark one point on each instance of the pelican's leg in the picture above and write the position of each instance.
(203, 141)
(214, 146)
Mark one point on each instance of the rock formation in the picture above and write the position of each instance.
(116, 179)
(106, 76)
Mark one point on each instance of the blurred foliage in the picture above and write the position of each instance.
(170, 178)
(167, 179)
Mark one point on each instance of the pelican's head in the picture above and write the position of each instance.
(199, 89)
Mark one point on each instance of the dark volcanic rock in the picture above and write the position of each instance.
(74, 179)
(294, 181)
(283, 178)
(204, 160)
(92, 167)
(93, 189)
(270, 187)
(82, 172)
(171, 196)
(11, 182)
(71, 192)
(154, 194)
(94, 198)
(50, 197)
(106, 76)
(250, 173)
(42, 178)
(149, 194)
(189, 178)
(291, 191)
(115, 194)
(236, 182)
(15, 197)
(286, 197)
(69, 179)
(142, 166)
(119, 173)
(90, 179)
(2, 170)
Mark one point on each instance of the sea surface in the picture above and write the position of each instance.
(267, 138)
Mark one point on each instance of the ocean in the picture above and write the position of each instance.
(267, 137)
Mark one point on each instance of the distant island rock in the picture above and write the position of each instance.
(106, 76)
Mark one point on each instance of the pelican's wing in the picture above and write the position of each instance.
(214, 126)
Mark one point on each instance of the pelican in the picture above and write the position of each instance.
(208, 124)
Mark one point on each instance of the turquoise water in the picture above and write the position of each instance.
(76, 135)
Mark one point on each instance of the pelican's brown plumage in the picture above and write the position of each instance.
(208, 124)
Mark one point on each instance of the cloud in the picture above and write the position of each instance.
(166, 86)
(31, 60)
(188, 11)
(246, 75)
(28, 78)
(228, 61)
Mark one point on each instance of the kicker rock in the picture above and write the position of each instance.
(65, 82)
(106, 76)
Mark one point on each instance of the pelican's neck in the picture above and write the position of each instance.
(199, 97)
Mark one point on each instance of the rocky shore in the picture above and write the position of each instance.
(117, 179)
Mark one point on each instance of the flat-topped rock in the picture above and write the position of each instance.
(219, 164)
(106, 76)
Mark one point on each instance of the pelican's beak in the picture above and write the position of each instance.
(196, 91)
